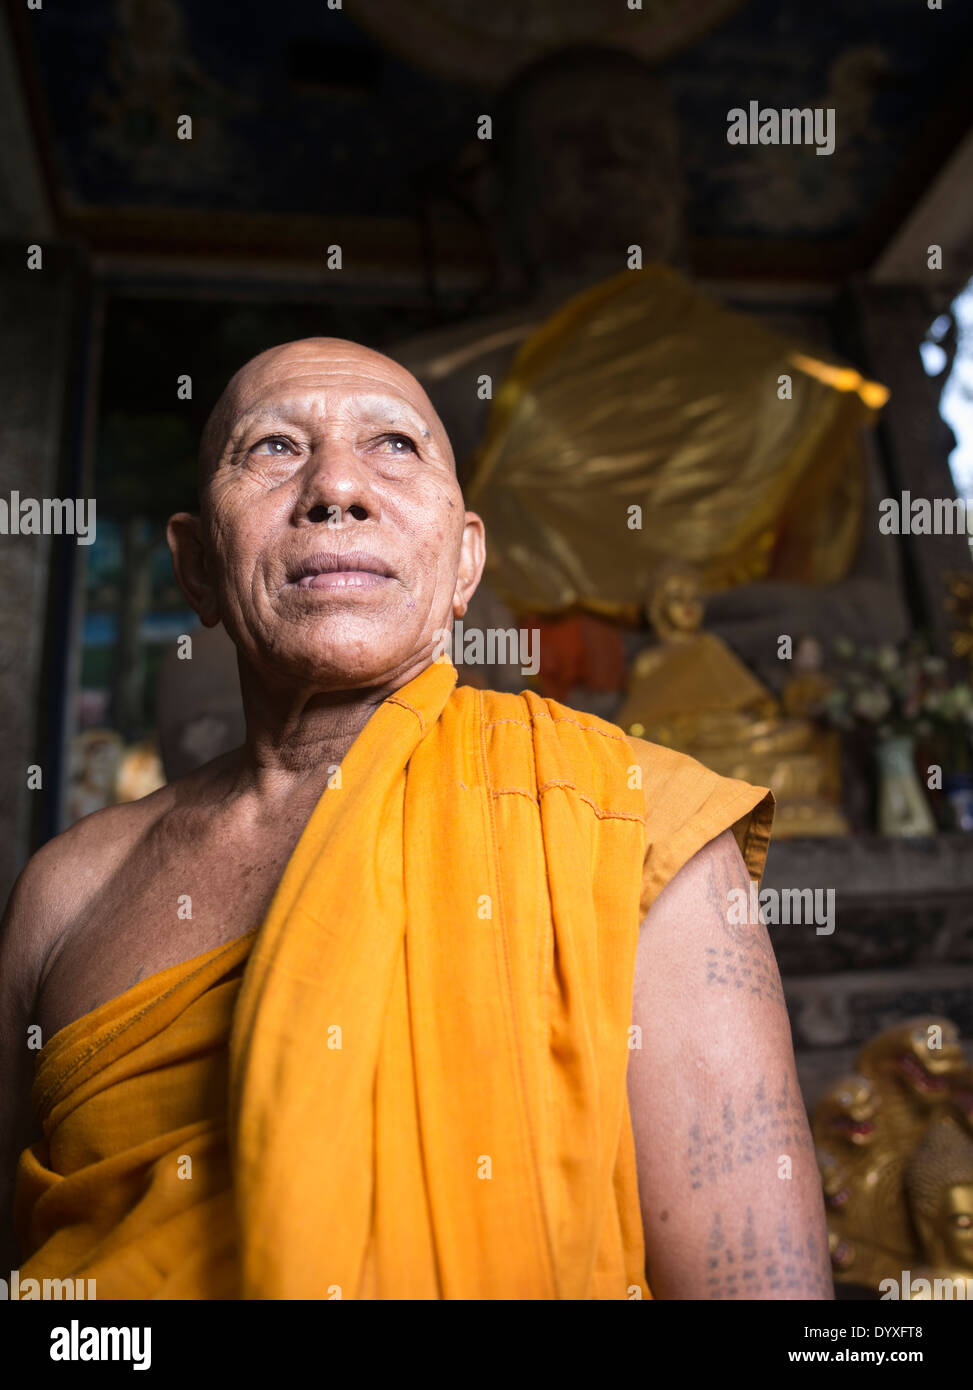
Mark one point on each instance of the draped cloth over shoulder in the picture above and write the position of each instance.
(456, 972)
(643, 422)
(130, 1184)
(417, 1088)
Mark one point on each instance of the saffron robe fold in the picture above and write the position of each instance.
(410, 1082)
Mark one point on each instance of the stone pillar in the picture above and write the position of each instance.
(38, 459)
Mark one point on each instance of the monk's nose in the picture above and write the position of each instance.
(336, 488)
(323, 513)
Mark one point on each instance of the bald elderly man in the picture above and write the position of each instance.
(424, 992)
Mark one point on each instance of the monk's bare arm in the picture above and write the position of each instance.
(731, 1199)
(34, 914)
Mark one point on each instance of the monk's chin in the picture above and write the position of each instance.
(336, 666)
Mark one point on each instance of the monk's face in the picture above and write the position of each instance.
(333, 542)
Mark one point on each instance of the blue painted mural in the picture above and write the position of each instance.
(296, 109)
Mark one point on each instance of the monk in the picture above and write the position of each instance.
(426, 991)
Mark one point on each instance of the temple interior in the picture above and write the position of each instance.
(712, 396)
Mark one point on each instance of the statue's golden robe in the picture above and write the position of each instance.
(644, 423)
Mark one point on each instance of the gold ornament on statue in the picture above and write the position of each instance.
(959, 584)
(691, 693)
(895, 1153)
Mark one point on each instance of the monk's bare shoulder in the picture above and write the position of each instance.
(62, 876)
(48, 900)
(65, 875)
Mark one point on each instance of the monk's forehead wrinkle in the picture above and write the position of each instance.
(390, 411)
(322, 379)
(388, 407)
(320, 376)
(269, 413)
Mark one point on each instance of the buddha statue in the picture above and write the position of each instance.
(805, 692)
(611, 385)
(690, 692)
(895, 1151)
(939, 1188)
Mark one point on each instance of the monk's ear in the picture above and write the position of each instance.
(184, 534)
(472, 558)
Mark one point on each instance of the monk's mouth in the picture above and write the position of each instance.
(342, 579)
(333, 573)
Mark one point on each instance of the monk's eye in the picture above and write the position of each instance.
(274, 446)
(398, 444)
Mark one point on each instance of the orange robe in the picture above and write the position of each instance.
(410, 1082)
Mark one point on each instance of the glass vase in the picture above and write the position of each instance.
(902, 805)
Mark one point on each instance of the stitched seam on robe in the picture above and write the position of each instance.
(510, 1012)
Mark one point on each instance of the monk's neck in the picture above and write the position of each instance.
(301, 738)
(310, 743)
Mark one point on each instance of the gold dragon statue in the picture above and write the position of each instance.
(895, 1151)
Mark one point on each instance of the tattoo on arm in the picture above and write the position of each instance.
(739, 1264)
(770, 1124)
(745, 960)
(737, 970)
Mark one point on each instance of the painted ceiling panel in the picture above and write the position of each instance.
(299, 109)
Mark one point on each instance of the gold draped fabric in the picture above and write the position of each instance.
(642, 392)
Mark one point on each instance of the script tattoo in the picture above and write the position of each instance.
(743, 1265)
(770, 1124)
(751, 975)
(745, 962)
